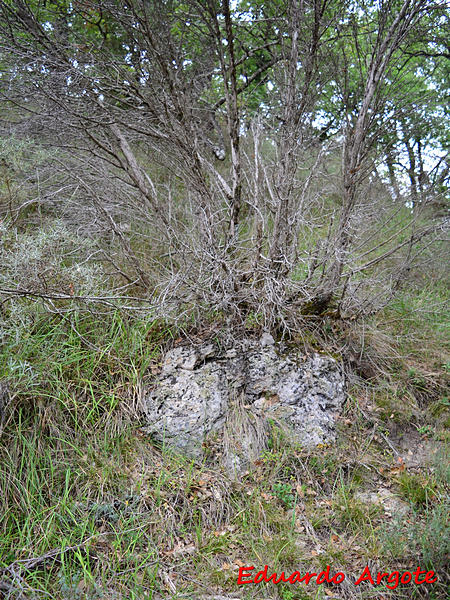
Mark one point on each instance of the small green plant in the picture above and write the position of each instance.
(424, 429)
(283, 491)
(288, 594)
(269, 456)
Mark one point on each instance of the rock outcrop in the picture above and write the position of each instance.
(227, 400)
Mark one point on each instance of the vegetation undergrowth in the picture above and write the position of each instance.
(92, 509)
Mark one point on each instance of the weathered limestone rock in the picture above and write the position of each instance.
(392, 504)
(231, 396)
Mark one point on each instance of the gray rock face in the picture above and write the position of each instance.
(230, 397)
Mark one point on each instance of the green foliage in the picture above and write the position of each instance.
(283, 491)
(288, 594)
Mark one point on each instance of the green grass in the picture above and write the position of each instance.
(66, 442)
(418, 490)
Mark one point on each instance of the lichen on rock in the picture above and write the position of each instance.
(232, 395)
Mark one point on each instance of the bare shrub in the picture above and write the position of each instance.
(206, 199)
